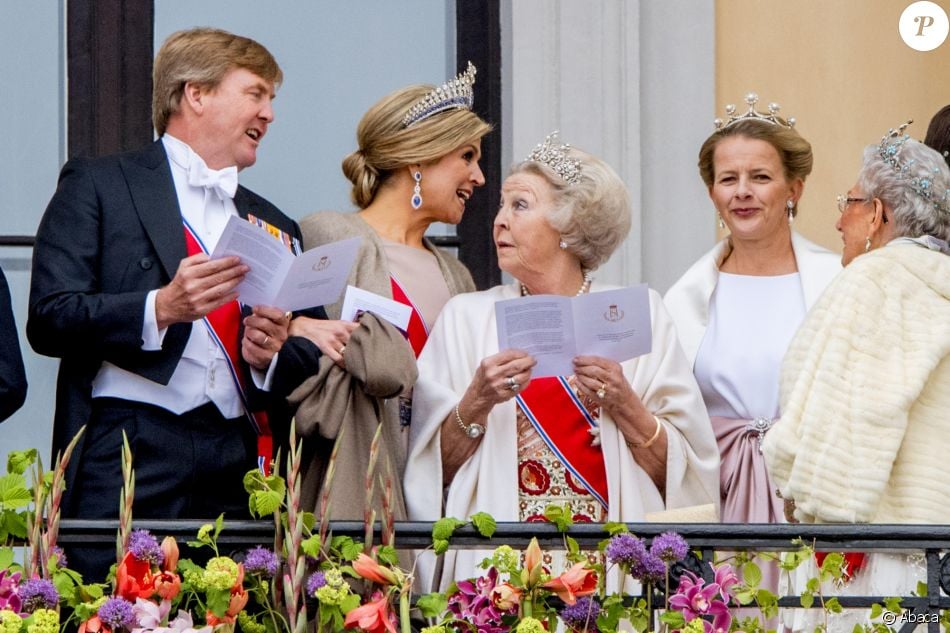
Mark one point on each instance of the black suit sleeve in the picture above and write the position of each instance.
(79, 304)
(12, 373)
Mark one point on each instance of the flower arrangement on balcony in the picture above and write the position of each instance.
(310, 579)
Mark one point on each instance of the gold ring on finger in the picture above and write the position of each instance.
(602, 392)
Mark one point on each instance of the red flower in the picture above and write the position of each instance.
(575, 582)
(372, 617)
(133, 579)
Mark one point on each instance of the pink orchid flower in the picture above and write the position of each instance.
(695, 598)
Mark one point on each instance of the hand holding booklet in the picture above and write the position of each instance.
(314, 278)
(614, 324)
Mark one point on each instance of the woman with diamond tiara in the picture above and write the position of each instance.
(737, 308)
(416, 163)
(614, 440)
(866, 381)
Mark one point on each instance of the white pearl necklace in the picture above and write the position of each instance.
(585, 286)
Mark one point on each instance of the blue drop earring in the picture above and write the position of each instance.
(416, 200)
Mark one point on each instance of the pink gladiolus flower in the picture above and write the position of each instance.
(369, 569)
(372, 617)
(575, 582)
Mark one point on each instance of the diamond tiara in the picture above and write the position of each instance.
(890, 149)
(768, 117)
(555, 156)
(453, 94)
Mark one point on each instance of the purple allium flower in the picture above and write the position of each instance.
(38, 594)
(670, 547)
(473, 604)
(316, 580)
(117, 613)
(262, 562)
(649, 569)
(625, 549)
(60, 555)
(582, 615)
(145, 547)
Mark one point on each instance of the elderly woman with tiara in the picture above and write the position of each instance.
(866, 382)
(487, 436)
(416, 163)
(737, 308)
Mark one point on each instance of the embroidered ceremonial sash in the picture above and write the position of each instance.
(561, 420)
(223, 324)
(417, 332)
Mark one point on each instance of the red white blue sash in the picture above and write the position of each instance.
(559, 417)
(417, 332)
(223, 326)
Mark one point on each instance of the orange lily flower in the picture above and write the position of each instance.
(506, 596)
(574, 583)
(133, 579)
(369, 569)
(170, 551)
(372, 617)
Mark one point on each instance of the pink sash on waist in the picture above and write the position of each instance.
(744, 484)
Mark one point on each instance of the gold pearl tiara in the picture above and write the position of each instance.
(453, 94)
(768, 117)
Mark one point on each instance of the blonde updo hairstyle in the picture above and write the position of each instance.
(385, 145)
(593, 215)
(793, 151)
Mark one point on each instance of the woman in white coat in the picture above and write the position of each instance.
(737, 308)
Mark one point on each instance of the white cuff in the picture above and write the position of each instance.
(152, 337)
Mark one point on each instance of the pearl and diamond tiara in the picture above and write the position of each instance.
(454, 94)
(555, 156)
(767, 117)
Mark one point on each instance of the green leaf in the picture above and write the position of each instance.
(267, 502)
(13, 492)
(326, 612)
(218, 525)
(893, 605)
(751, 574)
(674, 619)
(13, 523)
(432, 605)
(921, 588)
(19, 461)
(614, 528)
(876, 611)
(440, 546)
(252, 480)
(387, 555)
(6, 557)
(309, 520)
(350, 602)
(832, 605)
(218, 601)
(560, 516)
(351, 550)
(484, 523)
(444, 528)
(808, 599)
(311, 546)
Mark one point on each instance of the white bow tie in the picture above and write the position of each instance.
(223, 182)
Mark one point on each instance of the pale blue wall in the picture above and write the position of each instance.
(338, 59)
(32, 77)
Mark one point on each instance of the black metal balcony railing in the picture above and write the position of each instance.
(931, 540)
